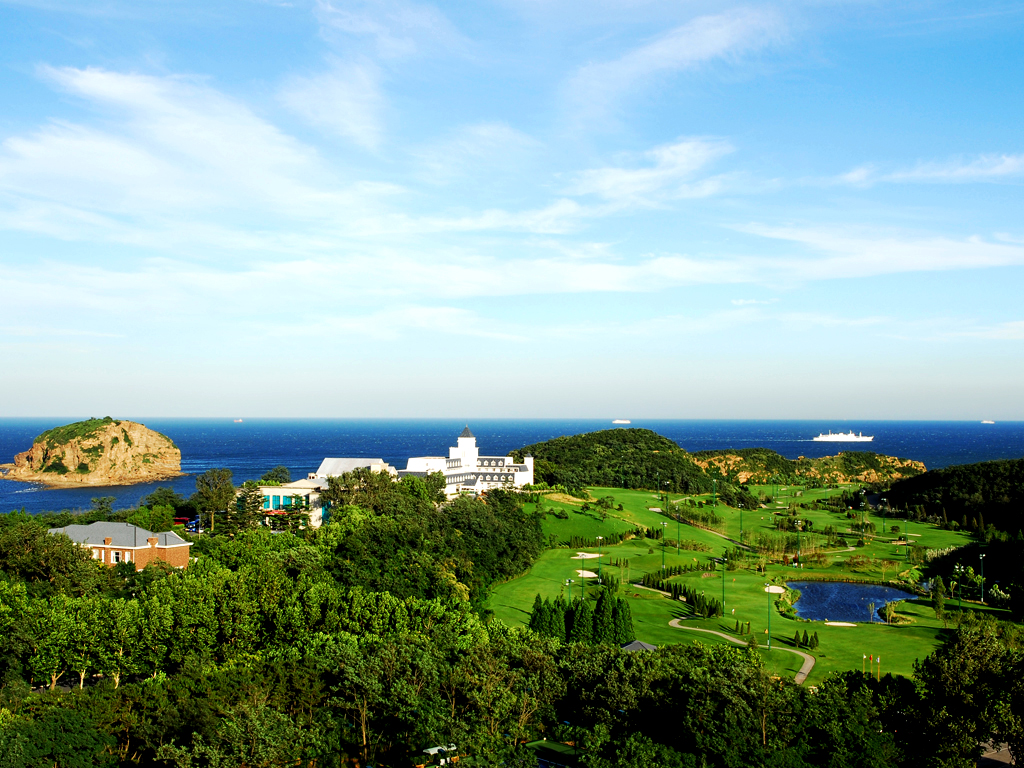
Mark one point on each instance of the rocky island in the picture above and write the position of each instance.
(97, 452)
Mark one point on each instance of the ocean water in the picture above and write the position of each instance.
(251, 448)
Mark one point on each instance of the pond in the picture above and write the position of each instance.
(842, 601)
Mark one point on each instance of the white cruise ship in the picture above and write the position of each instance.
(844, 437)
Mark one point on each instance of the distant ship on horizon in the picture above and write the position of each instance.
(988, 422)
(621, 421)
(843, 437)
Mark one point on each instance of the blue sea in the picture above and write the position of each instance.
(252, 447)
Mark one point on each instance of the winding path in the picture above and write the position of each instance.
(805, 670)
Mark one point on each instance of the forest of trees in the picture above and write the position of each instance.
(367, 640)
(627, 458)
(992, 491)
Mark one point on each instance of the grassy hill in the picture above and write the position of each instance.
(628, 458)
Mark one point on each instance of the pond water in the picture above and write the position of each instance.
(841, 601)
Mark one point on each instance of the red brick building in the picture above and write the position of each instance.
(113, 543)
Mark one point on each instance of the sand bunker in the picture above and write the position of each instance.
(585, 556)
(586, 574)
(840, 624)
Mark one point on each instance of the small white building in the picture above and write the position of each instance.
(338, 467)
(278, 499)
(465, 470)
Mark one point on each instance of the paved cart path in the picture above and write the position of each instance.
(805, 670)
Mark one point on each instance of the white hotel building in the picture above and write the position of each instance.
(467, 471)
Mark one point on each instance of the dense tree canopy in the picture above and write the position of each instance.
(364, 641)
(626, 458)
(993, 490)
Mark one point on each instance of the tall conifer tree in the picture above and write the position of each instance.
(582, 623)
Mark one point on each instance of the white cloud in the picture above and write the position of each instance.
(346, 101)
(397, 28)
(1008, 331)
(993, 167)
(480, 149)
(751, 302)
(844, 253)
(171, 161)
(982, 168)
(703, 39)
(673, 166)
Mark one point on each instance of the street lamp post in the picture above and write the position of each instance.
(959, 587)
(714, 495)
(771, 590)
(667, 507)
(906, 529)
(982, 558)
(798, 540)
(724, 561)
(599, 538)
(663, 526)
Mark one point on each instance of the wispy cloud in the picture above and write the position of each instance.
(346, 101)
(670, 174)
(751, 302)
(981, 168)
(729, 35)
(834, 253)
(1009, 331)
(170, 158)
(396, 27)
(480, 149)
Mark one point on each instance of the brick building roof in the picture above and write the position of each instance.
(121, 535)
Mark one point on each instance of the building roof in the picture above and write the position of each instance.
(319, 483)
(120, 534)
(636, 645)
(332, 467)
(466, 432)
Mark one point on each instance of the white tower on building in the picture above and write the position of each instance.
(466, 450)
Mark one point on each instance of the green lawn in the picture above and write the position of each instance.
(841, 648)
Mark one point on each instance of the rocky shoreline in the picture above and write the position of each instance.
(96, 452)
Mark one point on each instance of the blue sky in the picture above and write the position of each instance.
(621, 208)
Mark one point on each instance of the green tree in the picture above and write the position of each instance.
(603, 619)
(214, 492)
(119, 644)
(279, 474)
(582, 622)
(54, 630)
(939, 599)
(84, 647)
(103, 505)
(247, 511)
(165, 497)
(537, 614)
(961, 683)
(623, 622)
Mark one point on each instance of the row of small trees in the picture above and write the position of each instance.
(702, 605)
(608, 622)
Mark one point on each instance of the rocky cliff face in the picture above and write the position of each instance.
(761, 466)
(97, 452)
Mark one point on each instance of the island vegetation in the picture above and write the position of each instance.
(96, 452)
